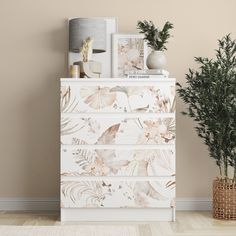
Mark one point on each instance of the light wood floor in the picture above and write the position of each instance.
(187, 223)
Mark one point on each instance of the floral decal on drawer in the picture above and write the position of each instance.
(117, 99)
(116, 130)
(117, 162)
(117, 194)
(97, 97)
(67, 103)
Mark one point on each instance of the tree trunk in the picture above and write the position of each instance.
(225, 168)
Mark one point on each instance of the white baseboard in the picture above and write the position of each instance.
(29, 204)
(53, 204)
(193, 204)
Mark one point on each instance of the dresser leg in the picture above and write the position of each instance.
(173, 213)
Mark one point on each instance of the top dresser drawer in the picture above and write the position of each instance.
(117, 96)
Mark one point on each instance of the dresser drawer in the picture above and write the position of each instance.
(115, 98)
(117, 130)
(118, 193)
(117, 162)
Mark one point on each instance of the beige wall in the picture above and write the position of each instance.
(33, 46)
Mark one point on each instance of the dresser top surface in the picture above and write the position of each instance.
(118, 80)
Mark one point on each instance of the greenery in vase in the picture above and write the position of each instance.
(155, 38)
(211, 98)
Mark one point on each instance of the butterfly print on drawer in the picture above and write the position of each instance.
(117, 130)
(118, 194)
(117, 162)
(116, 99)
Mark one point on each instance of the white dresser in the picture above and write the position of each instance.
(117, 149)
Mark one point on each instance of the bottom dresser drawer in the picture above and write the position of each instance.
(118, 193)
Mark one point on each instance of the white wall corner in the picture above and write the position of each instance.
(53, 204)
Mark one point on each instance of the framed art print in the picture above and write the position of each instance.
(129, 54)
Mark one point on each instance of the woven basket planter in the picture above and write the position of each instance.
(224, 199)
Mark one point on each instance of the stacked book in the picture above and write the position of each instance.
(147, 74)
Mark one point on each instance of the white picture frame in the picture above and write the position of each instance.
(129, 53)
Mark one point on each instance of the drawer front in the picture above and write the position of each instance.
(117, 162)
(118, 194)
(112, 98)
(117, 130)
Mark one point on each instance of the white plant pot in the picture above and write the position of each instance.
(156, 60)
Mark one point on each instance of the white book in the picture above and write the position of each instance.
(145, 76)
(151, 73)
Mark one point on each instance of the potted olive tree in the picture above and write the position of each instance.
(210, 96)
(156, 39)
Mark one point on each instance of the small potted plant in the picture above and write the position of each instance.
(156, 39)
(210, 96)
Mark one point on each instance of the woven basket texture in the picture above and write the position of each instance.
(224, 199)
